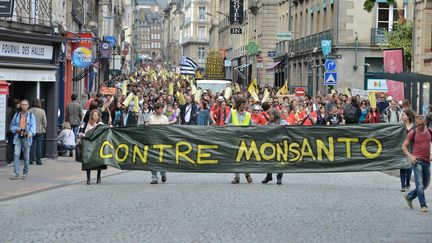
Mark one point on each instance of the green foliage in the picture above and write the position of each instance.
(369, 4)
(400, 37)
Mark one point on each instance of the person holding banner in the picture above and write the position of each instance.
(240, 117)
(274, 119)
(420, 138)
(94, 120)
(158, 119)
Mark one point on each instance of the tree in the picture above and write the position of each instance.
(401, 37)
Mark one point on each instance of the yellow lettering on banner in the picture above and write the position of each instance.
(328, 151)
(263, 148)
(161, 148)
(282, 152)
(201, 154)
(102, 155)
(184, 153)
(365, 151)
(348, 142)
(126, 153)
(247, 152)
(309, 151)
(142, 156)
(294, 148)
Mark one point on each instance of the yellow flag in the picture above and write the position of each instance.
(255, 85)
(266, 95)
(283, 90)
(171, 88)
(372, 100)
(193, 89)
(237, 88)
(198, 94)
(178, 84)
(228, 92)
(251, 88)
(128, 100)
(132, 79)
(347, 92)
(181, 97)
(124, 87)
(136, 104)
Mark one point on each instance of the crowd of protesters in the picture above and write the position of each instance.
(156, 96)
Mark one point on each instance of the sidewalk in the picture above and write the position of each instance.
(51, 174)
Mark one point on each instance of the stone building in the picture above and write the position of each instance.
(422, 62)
(355, 35)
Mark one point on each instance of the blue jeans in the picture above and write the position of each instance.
(154, 174)
(422, 180)
(36, 148)
(75, 130)
(21, 144)
(405, 177)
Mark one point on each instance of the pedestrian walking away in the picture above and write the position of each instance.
(420, 138)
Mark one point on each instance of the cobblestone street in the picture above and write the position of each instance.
(344, 207)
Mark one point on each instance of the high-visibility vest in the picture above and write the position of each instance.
(235, 120)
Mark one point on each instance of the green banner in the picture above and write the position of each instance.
(372, 147)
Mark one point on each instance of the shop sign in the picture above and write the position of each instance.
(236, 12)
(25, 50)
(82, 57)
(6, 8)
(105, 50)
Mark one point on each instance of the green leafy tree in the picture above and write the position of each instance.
(400, 37)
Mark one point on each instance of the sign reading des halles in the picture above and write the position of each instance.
(25, 50)
(236, 11)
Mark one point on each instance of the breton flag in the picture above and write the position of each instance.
(187, 66)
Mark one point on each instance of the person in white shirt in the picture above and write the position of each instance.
(158, 119)
(66, 140)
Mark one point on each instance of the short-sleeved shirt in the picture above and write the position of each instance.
(422, 143)
(259, 119)
(308, 121)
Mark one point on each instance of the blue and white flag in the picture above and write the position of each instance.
(326, 46)
(187, 66)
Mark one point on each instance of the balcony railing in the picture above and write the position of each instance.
(194, 39)
(378, 36)
(31, 12)
(308, 43)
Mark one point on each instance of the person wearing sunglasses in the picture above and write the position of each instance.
(420, 139)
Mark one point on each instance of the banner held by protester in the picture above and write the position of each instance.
(373, 147)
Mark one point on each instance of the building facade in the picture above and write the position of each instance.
(422, 62)
(194, 37)
(30, 62)
(355, 35)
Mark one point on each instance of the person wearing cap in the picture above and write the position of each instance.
(257, 117)
(240, 117)
(219, 112)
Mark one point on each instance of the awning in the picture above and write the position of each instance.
(11, 74)
(273, 65)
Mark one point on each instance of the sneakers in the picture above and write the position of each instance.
(424, 209)
(235, 181)
(154, 182)
(14, 177)
(403, 189)
(409, 202)
(24, 177)
(249, 179)
(279, 181)
(164, 178)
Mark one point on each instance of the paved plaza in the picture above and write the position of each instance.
(343, 207)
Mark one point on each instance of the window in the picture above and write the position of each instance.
(388, 15)
(201, 53)
(202, 13)
(201, 32)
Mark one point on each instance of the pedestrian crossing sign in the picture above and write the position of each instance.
(330, 78)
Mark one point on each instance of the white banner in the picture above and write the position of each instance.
(25, 50)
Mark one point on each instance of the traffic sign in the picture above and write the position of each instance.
(330, 65)
(271, 53)
(334, 56)
(299, 91)
(330, 78)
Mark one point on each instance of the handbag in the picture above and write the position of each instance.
(78, 152)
